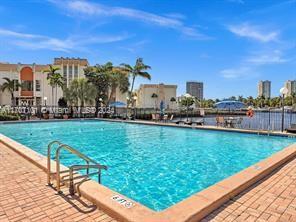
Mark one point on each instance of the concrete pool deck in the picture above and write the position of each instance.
(25, 197)
(193, 208)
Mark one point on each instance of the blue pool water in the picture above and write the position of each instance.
(156, 166)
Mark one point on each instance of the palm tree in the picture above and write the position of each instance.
(10, 86)
(240, 98)
(80, 92)
(117, 78)
(54, 79)
(58, 81)
(139, 69)
(99, 77)
(293, 97)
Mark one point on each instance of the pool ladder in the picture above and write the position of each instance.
(90, 164)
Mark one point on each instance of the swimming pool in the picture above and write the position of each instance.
(154, 165)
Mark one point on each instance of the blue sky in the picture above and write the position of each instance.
(228, 44)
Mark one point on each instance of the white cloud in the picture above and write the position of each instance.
(236, 72)
(274, 57)
(72, 43)
(6, 32)
(85, 8)
(254, 32)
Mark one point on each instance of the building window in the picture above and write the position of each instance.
(15, 85)
(37, 85)
(27, 85)
(70, 70)
(65, 72)
(75, 71)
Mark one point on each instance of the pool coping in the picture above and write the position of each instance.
(193, 208)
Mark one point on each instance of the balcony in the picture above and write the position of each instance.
(27, 93)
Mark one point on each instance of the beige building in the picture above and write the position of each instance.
(151, 95)
(291, 86)
(264, 89)
(35, 89)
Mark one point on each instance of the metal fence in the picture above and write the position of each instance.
(268, 119)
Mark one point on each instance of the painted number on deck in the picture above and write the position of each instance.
(119, 199)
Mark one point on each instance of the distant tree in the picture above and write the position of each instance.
(80, 92)
(10, 86)
(240, 98)
(55, 80)
(138, 70)
(99, 77)
(187, 101)
(117, 78)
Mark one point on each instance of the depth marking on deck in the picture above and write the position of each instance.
(122, 201)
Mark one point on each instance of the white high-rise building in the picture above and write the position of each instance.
(264, 89)
(291, 86)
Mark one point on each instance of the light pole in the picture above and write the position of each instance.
(127, 103)
(283, 92)
(187, 96)
(134, 108)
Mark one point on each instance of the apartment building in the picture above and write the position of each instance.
(195, 89)
(151, 95)
(35, 89)
(264, 89)
(291, 86)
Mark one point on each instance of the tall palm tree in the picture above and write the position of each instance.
(58, 81)
(10, 86)
(98, 76)
(80, 92)
(54, 78)
(139, 69)
(118, 79)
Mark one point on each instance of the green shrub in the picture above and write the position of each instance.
(8, 117)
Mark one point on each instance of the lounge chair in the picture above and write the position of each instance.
(220, 121)
(178, 121)
(155, 117)
(165, 118)
(198, 122)
(292, 129)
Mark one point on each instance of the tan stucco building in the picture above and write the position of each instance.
(151, 95)
(36, 90)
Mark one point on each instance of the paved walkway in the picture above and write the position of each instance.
(24, 195)
(272, 199)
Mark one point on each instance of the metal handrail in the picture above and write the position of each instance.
(75, 152)
(49, 160)
(79, 167)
